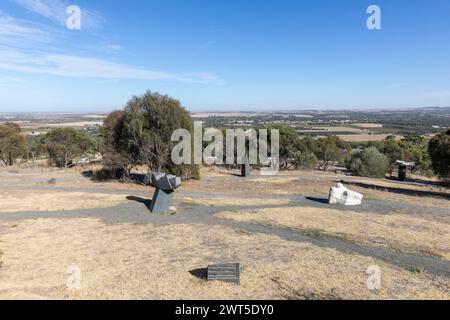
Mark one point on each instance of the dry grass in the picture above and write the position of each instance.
(387, 196)
(368, 125)
(134, 261)
(56, 201)
(365, 137)
(138, 261)
(234, 201)
(318, 129)
(397, 231)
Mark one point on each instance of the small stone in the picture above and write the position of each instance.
(172, 210)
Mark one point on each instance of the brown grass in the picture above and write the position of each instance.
(234, 201)
(397, 231)
(56, 201)
(365, 137)
(134, 261)
(368, 125)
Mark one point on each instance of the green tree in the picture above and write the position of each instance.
(294, 153)
(368, 162)
(330, 150)
(141, 134)
(36, 147)
(64, 145)
(12, 143)
(114, 147)
(394, 150)
(439, 150)
(304, 157)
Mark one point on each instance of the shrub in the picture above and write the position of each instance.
(367, 163)
(330, 150)
(439, 150)
(106, 174)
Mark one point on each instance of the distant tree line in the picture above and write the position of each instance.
(373, 159)
(141, 135)
(61, 146)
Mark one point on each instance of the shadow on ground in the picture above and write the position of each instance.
(201, 273)
(420, 182)
(319, 200)
(146, 202)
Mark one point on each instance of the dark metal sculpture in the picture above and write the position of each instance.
(165, 185)
(245, 168)
(402, 168)
(402, 173)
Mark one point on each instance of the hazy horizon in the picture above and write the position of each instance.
(233, 111)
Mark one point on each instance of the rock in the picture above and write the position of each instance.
(51, 181)
(172, 210)
(343, 196)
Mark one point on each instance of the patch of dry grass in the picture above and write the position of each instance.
(397, 231)
(20, 201)
(403, 186)
(135, 261)
(432, 202)
(368, 125)
(366, 137)
(235, 201)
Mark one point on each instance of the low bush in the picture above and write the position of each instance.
(368, 162)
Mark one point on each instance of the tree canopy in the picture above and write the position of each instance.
(141, 134)
(12, 143)
(330, 150)
(64, 145)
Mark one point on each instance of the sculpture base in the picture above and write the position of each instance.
(161, 201)
(245, 170)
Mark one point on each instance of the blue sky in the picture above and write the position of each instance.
(224, 54)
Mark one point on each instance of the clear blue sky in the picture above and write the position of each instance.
(224, 54)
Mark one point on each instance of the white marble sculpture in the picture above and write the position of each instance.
(343, 196)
